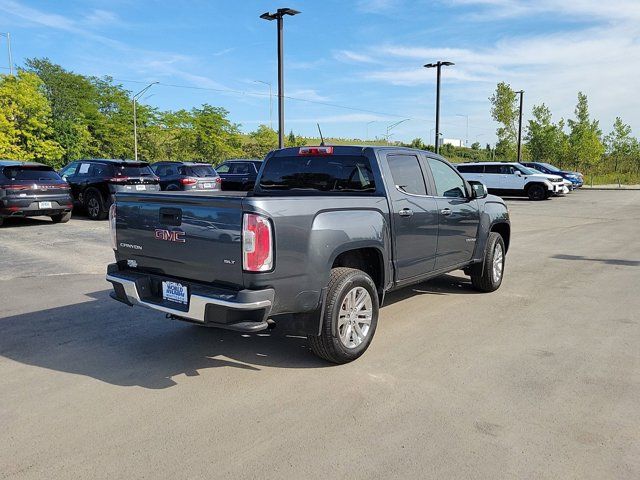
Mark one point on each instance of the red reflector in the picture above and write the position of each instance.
(188, 181)
(257, 243)
(315, 151)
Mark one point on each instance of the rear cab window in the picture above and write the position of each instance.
(318, 173)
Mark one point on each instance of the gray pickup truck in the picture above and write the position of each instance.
(326, 232)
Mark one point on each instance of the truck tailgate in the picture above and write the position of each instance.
(191, 236)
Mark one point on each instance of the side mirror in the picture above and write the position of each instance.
(518, 173)
(478, 189)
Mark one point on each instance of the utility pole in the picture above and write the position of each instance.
(135, 119)
(521, 92)
(438, 66)
(279, 16)
(8, 35)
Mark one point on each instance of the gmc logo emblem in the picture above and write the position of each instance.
(169, 236)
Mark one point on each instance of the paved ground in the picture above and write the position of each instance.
(538, 380)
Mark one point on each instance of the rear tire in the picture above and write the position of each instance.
(350, 316)
(537, 192)
(94, 204)
(490, 278)
(61, 217)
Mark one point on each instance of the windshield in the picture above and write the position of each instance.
(141, 170)
(20, 173)
(550, 167)
(527, 170)
(202, 171)
(340, 173)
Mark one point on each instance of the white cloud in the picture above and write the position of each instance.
(349, 56)
(377, 6)
(306, 94)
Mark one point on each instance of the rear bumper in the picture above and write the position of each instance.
(30, 207)
(243, 310)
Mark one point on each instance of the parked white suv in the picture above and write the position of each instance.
(512, 179)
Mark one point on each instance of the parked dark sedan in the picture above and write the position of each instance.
(186, 176)
(240, 174)
(95, 182)
(32, 190)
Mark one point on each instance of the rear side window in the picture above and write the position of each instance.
(201, 171)
(407, 174)
(491, 168)
(470, 168)
(20, 173)
(339, 173)
(448, 182)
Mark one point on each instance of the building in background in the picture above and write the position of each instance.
(456, 142)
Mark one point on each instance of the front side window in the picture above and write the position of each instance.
(448, 182)
(407, 174)
(224, 168)
(69, 170)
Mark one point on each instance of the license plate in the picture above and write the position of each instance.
(43, 205)
(207, 185)
(175, 292)
(141, 187)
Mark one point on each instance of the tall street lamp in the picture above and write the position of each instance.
(438, 65)
(135, 118)
(394, 125)
(279, 16)
(8, 35)
(270, 102)
(521, 92)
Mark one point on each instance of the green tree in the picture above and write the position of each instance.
(621, 147)
(261, 142)
(475, 146)
(546, 141)
(215, 138)
(504, 110)
(585, 146)
(73, 103)
(25, 121)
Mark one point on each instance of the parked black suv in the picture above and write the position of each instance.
(186, 176)
(239, 175)
(94, 182)
(31, 190)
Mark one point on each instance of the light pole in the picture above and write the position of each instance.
(438, 65)
(279, 16)
(270, 102)
(8, 35)
(521, 92)
(135, 118)
(466, 138)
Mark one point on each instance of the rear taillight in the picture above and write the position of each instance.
(119, 179)
(188, 181)
(112, 226)
(257, 243)
(218, 180)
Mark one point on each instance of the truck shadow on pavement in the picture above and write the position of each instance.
(124, 346)
(606, 261)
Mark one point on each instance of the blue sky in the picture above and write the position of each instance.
(352, 66)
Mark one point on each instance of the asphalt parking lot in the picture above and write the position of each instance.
(540, 379)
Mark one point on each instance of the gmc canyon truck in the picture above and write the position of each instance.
(326, 232)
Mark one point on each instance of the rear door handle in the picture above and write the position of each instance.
(405, 212)
(446, 212)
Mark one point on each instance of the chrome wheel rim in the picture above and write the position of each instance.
(93, 207)
(354, 318)
(498, 263)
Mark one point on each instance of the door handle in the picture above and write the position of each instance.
(446, 212)
(405, 212)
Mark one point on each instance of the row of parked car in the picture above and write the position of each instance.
(33, 189)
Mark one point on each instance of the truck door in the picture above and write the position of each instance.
(414, 217)
(458, 214)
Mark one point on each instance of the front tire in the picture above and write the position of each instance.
(94, 204)
(350, 316)
(537, 192)
(61, 217)
(490, 278)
